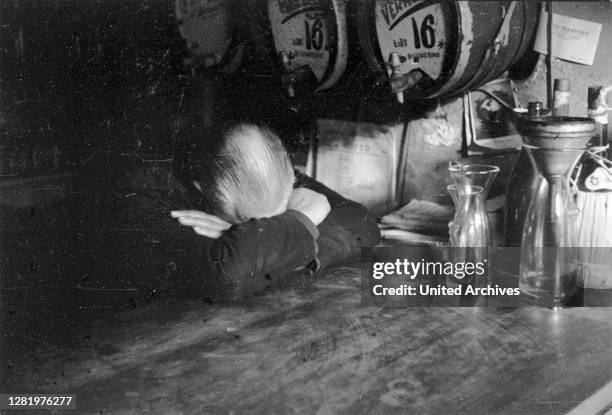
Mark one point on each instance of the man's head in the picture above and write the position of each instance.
(251, 175)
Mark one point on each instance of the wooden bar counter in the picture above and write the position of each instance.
(316, 350)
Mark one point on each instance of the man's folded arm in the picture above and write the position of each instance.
(346, 229)
(252, 256)
(246, 259)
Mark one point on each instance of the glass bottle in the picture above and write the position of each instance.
(547, 274)
(598, 112)
(548, 266)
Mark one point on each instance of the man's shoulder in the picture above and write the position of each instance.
(334, 198)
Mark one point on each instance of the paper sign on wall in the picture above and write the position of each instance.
(573, 39)
(357, 160)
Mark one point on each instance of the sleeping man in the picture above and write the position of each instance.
(240, 221)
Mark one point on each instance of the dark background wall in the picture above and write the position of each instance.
(84, 78)
(88, 90)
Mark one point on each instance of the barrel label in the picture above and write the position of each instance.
(416, 30)
(301, 30)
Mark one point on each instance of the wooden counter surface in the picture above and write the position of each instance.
(316, 350)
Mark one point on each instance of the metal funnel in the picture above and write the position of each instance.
(556, 162)
(556, 132)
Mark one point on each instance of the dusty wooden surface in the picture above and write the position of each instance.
(317, 350)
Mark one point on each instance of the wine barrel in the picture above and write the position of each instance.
(309, 44)
(453, 45)
(206, 26)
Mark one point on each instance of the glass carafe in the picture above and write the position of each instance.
(470, 226)
(481, 175)
(469, 235)
(548, 268)
(467, 176)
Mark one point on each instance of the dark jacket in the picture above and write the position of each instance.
(248, 258)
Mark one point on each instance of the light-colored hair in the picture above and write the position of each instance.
(252, 173)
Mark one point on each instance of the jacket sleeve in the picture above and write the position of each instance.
(255, 255)
(246, 259)
(347, 228)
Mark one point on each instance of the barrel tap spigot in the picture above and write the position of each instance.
(396, 75)
(288, 77)
(399, 83)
